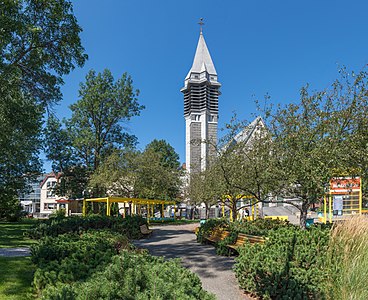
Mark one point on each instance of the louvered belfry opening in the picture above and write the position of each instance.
(199, 97)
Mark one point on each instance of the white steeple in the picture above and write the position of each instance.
(201, 91)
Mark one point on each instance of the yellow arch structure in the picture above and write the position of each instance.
(133, 201)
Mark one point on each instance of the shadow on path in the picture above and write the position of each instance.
(179, 241)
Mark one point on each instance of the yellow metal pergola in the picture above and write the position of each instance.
(135, 202)
(237, 198)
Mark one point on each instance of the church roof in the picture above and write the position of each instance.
(202, 59)
(246, 134)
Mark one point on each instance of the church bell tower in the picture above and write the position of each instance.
(201, 91)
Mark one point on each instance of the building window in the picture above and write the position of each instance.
(50, 189)
(49, 206)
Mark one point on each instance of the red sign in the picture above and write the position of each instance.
(344, 185)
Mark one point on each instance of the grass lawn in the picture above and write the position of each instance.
(16, 275)
(11, 234)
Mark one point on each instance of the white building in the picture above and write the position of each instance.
(50, 202)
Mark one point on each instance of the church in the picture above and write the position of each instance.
(201, 93)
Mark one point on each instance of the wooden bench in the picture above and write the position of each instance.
(145, 230)
(243, 238)
(217, 235)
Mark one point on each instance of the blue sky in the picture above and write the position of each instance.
(258, 47)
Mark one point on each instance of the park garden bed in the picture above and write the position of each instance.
(92, 258)
(317, 263)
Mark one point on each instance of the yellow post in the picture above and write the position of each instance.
(84, 208)
(148, 213)
(107, 207)
(231, 215)
(324, 209)
(330, 207)
(223, 208)
(255, 211)
(360, 197)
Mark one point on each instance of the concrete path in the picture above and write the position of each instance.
(14, 252)
(179, 241)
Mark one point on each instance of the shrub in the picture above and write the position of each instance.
(221, 246)
(70, 257)
(260, 227)
(289, 265)
(348, 260)
(135, 276)
(60, 225)
(210, 225)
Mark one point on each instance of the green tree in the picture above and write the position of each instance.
(147, 174)
(169, 158)
(117, 175)
(205, 187)
(39, 43)
(158, 178)
(96, 126)
(320, 137)
(304, 145)
(94, 131)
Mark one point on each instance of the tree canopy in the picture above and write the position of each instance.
(146, 174)
(39, 43)
(94, 131)
(303, 145)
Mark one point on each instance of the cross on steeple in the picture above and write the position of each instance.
(201, 23)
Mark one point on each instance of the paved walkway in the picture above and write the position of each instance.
(14, 252)
(179, 241)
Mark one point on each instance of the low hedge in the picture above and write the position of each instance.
(60, 225)
(135, 276)
(71, 257)
(290, 265)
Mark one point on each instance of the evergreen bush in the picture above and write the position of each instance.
(133, 276)
(71, 257)
(289, 265)
(60, 225)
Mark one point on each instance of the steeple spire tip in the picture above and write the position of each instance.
(201, 23)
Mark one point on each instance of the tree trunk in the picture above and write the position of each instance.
(234, 212)
(207, 212)
(303, 215)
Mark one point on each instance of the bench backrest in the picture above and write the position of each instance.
(251, 238)
(219, 234)
(144, 229)
(243, 238)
